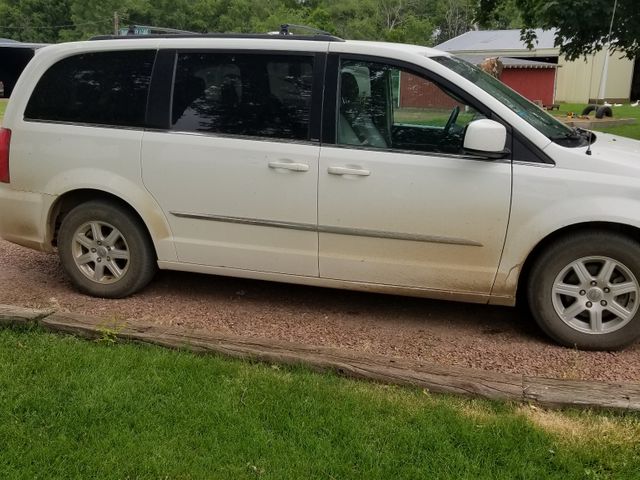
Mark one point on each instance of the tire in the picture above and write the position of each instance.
(105, 251)
(604, 112)
(604, 316)
(588, 109)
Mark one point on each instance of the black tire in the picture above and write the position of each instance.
(592, 250)
(604, 112)
(588, 109)
(136, 271)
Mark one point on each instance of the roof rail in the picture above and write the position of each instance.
(285, 29)
(149, 29)
(317, 37)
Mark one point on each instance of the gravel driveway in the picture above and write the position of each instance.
(492, 338)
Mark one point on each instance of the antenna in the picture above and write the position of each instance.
(588, 152)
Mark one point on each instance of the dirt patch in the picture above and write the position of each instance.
(476, 336)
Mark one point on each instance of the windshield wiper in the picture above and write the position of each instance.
(567, 136)
(586, 134)
(576, 133)
(576, 137)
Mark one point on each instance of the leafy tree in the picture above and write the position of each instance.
(582, 26)
(411, 21)
(95, 17)
(34, 20)
(456, 17)
(505, 15)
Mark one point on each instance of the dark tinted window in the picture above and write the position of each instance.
(243, 94)
(105, 88)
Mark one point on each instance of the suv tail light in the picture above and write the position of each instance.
(5, 140)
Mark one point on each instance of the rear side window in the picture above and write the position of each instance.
(243, 94)
(104, 88)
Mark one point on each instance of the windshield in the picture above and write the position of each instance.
(528, 111)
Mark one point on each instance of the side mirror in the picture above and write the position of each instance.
(486, 138)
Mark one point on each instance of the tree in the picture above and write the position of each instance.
(410, 21)
(456, 17)
(95, 17)
(582, 26)
(506, 15)
(35, 20)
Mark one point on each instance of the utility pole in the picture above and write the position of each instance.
(116, 24)
(607, 53)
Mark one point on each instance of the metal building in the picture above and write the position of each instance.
(576, 81)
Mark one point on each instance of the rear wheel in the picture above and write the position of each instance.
(585, 291)
(105, 251)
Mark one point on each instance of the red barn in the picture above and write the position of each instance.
(533, 80)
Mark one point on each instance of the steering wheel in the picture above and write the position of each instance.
(452, 119)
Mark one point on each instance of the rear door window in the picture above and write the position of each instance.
(101, 88)
(243, 94)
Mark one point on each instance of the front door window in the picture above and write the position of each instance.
(382, 106)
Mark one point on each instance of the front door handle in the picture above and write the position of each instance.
(288, 165)
(348, 171)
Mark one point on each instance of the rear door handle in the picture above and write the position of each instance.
(288, 165)
(348, 171)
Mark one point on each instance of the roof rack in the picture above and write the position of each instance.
(285, 29)
(320, 37)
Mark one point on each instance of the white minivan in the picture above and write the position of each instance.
(310, 159)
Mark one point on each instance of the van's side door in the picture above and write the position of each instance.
(400, 203)
(236, 169)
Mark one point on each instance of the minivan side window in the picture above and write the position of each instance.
(101, 88)
(386, 107)
(243, 94)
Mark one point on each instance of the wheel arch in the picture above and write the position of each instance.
(69, 200)
(523, 279)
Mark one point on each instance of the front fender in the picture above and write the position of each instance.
(547, 200)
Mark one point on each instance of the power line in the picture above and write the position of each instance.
(53, 26)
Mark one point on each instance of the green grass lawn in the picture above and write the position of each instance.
(632, 131)
(429, 116)
(71, 408)
(3, 107)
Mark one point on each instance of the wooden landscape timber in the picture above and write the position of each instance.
(431, 377)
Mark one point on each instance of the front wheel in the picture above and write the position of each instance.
(584, 291)
(105, 250)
